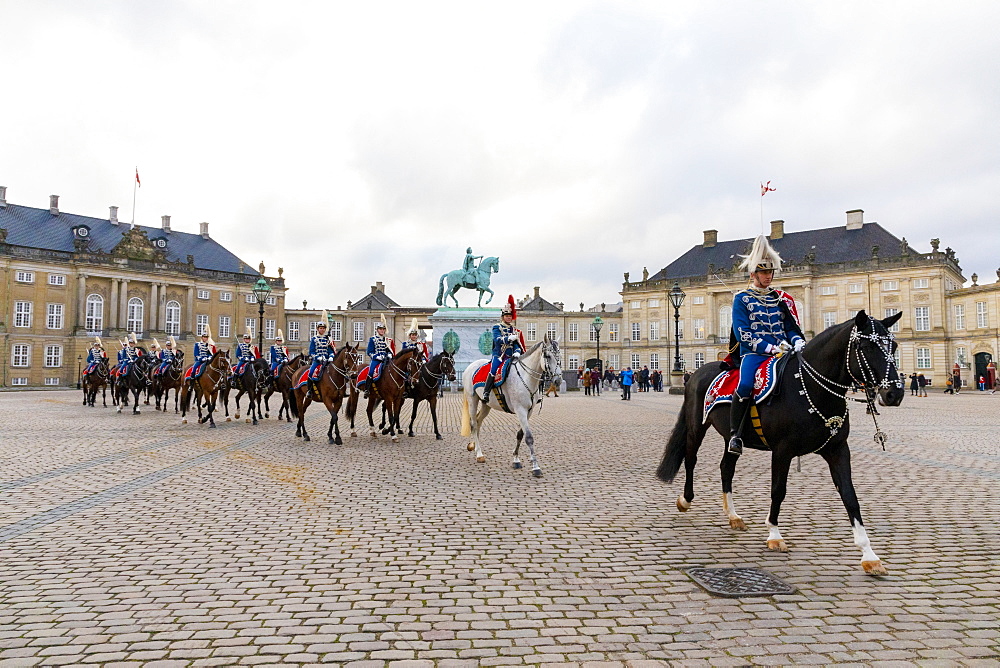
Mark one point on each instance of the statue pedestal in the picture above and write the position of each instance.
(470, 324)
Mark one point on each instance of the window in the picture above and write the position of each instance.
(635, 304)
(249, 298)
(921, 282)
(593, 332)
(699, 360)
(654, 361)
(22, 314)
(680, 326)
(20, 354)
(550, 330)
(95, 313)
(613, 361)
(172, 324)
(961, 354)
(922, 319)
(225, 326)
(699, 328)
(53, 356)
(949, 284)
(136, 310)
(829, 319)
(828, 289)
(201, 325)
(982, 319)
(855, 288)
(653, 303)
(51, 381)
(698, 300)
(890, 285)
(635, 360)
(614, 331)
(923, 358)
(19, 381)
(225, 296)
(574, 331)
(204, 294)
(336, 330)
(959, 316)
(891, 312)
(54, 316)
(57, 279)
(636, 331)
(251, 326)
(25, 277)
(532, 331)
(725, 321)
(270, 327)
(271, 301)
(654, 330)
(293, 330)
(359, 331)
(574, 361)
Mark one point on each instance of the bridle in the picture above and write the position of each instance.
(426, 369)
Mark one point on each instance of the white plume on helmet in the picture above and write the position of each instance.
(279, 337)
(383, 324)
(414, 329)
(762, 257)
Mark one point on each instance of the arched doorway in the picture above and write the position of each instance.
(982, 359)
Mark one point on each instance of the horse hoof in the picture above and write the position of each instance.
(481, 459)
(354, 434)
(470, 447)
(777, 546)
(737, 523)
(517, 465)
(683, 504)
(874, 567)
(537, 473)
(385, 432)
(184, 421)
(395, 439)
(237, 416)
(136, 412)
(374, 435)
(330, 441)
(267, 415)
(247, 420)
(305, 437)
(338, 441)
(211, 425)
(439, 437)
(410, 434)
(227, 420)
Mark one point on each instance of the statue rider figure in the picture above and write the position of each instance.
(765, 324)
(470, 268)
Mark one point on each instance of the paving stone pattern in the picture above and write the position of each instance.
(128, 540)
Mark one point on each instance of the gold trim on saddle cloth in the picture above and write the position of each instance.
(755, 421)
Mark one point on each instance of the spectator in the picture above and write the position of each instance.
(553, 386)
(626, 380)
(644, 379)
(913, 384)
(585, 376)
(982, 384)
(609, 378)
(654, 379)
(921, 385)
(687, 377)
(595, 382)
(949, 385)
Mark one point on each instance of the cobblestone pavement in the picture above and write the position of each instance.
(135, 539)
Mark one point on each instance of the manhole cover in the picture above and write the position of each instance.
(737, 582)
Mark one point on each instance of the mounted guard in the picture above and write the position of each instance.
(320, 351)
(246, 352)
(166, 356)
(203, 351)
(278, 355)
(765, 325)
(412, 341)
(129, 355)
(380, 350)
(95, 355)
(508, 344)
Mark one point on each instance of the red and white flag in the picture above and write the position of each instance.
(140, 182)
(764, 188)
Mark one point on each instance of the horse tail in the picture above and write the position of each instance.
(440, 296)
(673, 455)
(293, 404)
(466, 422)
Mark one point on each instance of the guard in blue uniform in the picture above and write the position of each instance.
(166, 357)
(278, 354)
(246, 352)
(320, 351)
(202, 354)
(95, 355)
(129, 355)
(765, 324)
(412, 341)
(508, 343)
(380, 350)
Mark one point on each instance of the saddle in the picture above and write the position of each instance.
(301, 377)
(363, 376)
(765, 384)
(483, 372)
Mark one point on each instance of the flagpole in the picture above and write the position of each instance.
(134, 182)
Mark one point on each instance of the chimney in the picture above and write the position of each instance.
(3, 196)
(536, 292)
(855, 219)
(378, 287)
(204, 231)
(165, 224)
(113, 217)
(711, 238)
(54, 205)
(777, 229)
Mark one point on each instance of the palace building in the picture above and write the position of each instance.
(65, 278)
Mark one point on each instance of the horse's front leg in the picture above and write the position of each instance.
(839, 460)
(780, 463)
(333, 433)
(236, 415)
(482, 410)
(135, 407)
(491, 295)
(728, 468)
(517, 449)
(371, 407)
(529, 440)
(434, 415)
(413, 416)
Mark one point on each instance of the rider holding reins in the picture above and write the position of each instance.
(508, 343)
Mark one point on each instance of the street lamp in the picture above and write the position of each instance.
(261, 291)
(677, 298)
(597, 324)
(79, 371)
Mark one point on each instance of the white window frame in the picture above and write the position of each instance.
(828, 290)
(225, 296)
(654, 361)
(204, 294)
(270, 329)
(959, 316)
(654, 330)
(634, 361)
(57, 279)
(51, 381)
(923, 358)
(574, 362)
(172, 317)
(271, 300)
(725, 321)
(135, 315)
(251, 324)
(336, 330)
(95, 313)
(20, 355)
(921, 283)
(22, 276)
(293, 330)
(829, 319)
(592, 332)
(54, 316)
(552, 330)
(635, 303)
(653, 303)
(358, 329)
(890, 285)
(921, 318)
(574, 331)
(225, 326)
(22, 313)
(250, 298)
(889, 312)
(531, 331)
(961, 352)
(637, 331)
(855, 288)
(699, 329)
(698, 299)
(53, 356)
(613, 360)
(201, 325)
(680, 327)
(982, 315)
(699, 360)
(21, 380)
(614, 332)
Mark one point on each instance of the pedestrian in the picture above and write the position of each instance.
(595, 382)
(982, 384)
(687, 377)
(585, 378)
(553, 386)
(644, 379)
(921, 385)
(949, 385)
(626, 380)
(913, 384)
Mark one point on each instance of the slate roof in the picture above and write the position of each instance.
(37, 228)
(831, 244)
(375, 301)
(539, 304)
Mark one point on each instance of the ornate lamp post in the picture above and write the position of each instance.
(79, 371)
(597, 324)
(677, 298)
(261, 291)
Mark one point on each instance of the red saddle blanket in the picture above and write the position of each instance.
(187, 374)
(299, 378)
(722, 388)
(479, 377)
(363, 376)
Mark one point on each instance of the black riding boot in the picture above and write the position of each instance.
(488, 387)
(737, 416)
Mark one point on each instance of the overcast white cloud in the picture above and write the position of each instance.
(355, 142)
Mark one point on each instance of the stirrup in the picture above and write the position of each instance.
(735, 446)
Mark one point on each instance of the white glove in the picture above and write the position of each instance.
(784, 347)
(512, 338)
(772, 350)
(516, 355)
(799, 345)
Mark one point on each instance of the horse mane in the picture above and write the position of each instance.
(533, 348)
(218, 353)
(826, 337)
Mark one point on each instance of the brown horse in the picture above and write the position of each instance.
(333, 386)
(171, 379)
(427, 383)
(283, 385)
(96, 380)
(390, 388)
(351, 409)
(206, 388)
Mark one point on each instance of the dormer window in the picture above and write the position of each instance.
(159, 242)
(81, 231)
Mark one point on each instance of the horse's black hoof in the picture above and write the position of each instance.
(537, 473)
(439, 437)
(330, 440)
(211, 426)
(338, 441)
(306, 438)
(518, 465)
(410, 434)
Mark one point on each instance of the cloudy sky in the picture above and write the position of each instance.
(350, 142)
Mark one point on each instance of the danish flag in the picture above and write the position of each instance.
(140, 182)
(765, 187)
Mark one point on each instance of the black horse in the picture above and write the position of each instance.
(135, 381)
(252, 383)
(96, 380)
(425, 386)
(806, 414)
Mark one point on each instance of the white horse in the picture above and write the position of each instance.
(521, 391)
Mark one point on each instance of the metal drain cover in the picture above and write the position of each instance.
(738, 582)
